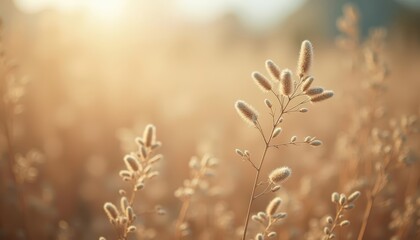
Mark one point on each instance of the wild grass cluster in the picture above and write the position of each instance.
(324, 147)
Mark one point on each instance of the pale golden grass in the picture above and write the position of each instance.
(288, 99)
(372, 121)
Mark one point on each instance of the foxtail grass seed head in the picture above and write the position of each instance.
(273, 206)
(111, 211)
(248, 113)
(273, 69)
(344, 223)
(286, 82)
(275, 188)
(280, 215)
(272, 235)
(262, 215)
(129, 212)
(124, 203)
(276, 132)
(279, 175)
(259, 236)
(354, 196)
(131, 228)
(307, 84)
(349, 206)
(323, 96)
(131, 163)
(257, 219)
(342, 199)
(149, 135)
(316, 143)
(335, 197)
(122, 192)
(262, 82)
(268, 103)
(239, 152)
(305, 58)
(314, 91)
(330, 220)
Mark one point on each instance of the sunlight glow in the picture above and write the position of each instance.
(101, 9)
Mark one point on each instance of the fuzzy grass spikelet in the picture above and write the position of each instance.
(307, 83)
(279, 175)
(273, 206)
(305, 58)
(262, 82)
(323, 96)
(248, 113)
(111, 211)
(286, 82)
(273, 69)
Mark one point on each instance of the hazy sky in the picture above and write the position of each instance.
(254, 13)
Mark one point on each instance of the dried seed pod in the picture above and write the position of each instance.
(262, 82)
(111, 211)
(303, 110)
(293, 139)
(279, 175)
(306, 84)
(286, 82)
(323, 96)
(354, 196)
(305, 58)
(248, 113)
(273, 206)
(327, 230)
(273, 69)
(276, 132)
